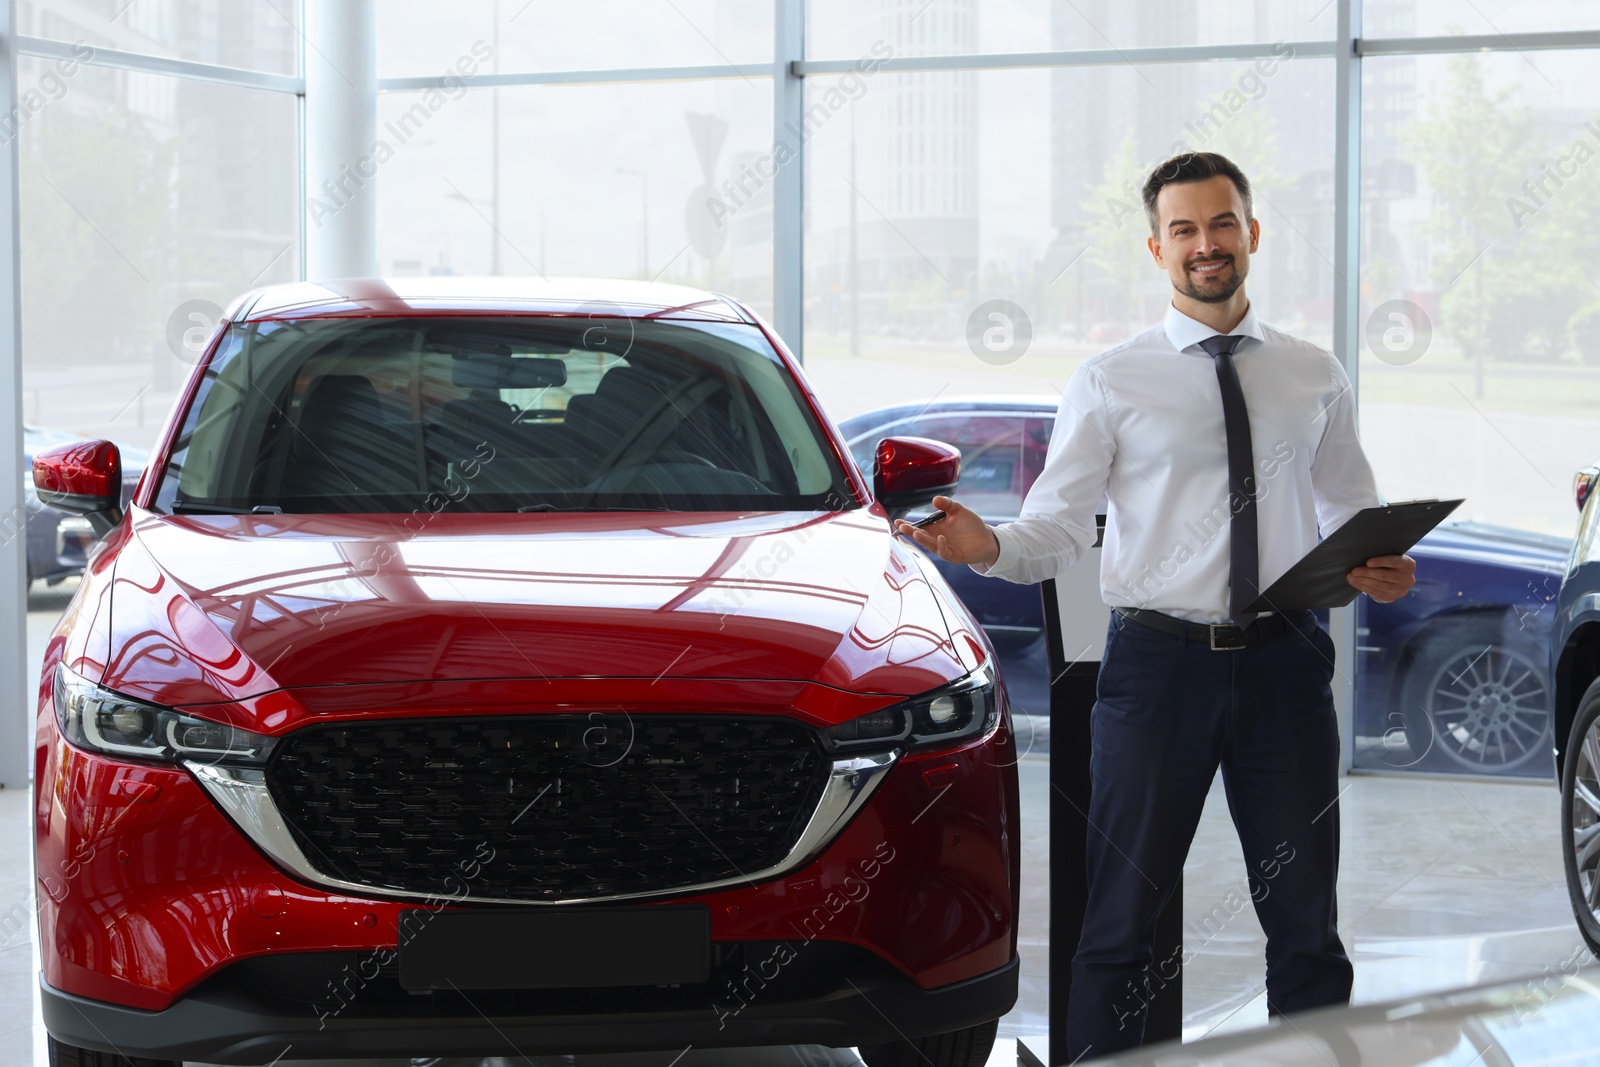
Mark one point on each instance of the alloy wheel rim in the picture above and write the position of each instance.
(1585, 818)
(1489, 707)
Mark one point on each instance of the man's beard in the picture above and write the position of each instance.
(1211, 296)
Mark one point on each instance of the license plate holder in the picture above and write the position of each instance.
(555, 948)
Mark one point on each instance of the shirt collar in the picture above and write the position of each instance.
(1185, 332)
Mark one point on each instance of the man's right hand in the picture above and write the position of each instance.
(960, 537)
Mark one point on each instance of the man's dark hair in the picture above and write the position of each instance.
(1192, 167)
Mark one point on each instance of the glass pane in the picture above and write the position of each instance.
(963, 240)
(148, 204)
(1427, 18)
(654, 196)
(417, 37)
(1479, 379)
(229, 33)
(846, 29)
(498, 415)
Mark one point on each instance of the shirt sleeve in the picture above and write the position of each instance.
(1057, 521)
(1341, 478)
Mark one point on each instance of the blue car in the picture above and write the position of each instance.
(1575, 668)
(1453, 676)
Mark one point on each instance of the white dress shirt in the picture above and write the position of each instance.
(1140, 425)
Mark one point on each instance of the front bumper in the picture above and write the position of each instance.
(147, 890)
(819, 993)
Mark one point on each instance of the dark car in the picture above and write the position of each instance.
(1453, 676)
(482, 666)
(59, 541)
(1575, 667)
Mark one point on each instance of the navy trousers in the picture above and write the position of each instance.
(1166, 716)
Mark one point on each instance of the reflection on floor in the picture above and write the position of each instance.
(1443, 884)
(787, 1056)
(19, 1029)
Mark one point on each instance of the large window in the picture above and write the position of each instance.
(982, 232)
(628, 181)
(148, 203)
(258, 35)
(612, 180)
(1405, 18)
(426, 37)
(1480, 377)
(843, 29)
(1484, 378)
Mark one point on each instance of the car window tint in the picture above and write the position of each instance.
(498, 414)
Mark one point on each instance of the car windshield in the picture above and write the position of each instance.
(498, 414)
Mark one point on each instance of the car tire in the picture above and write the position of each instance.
(1475, 698)
(1580, 815)
(961, 1048)
(63, 1055)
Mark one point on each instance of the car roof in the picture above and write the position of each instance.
(974, 400)
(371, 297)
(940, 405)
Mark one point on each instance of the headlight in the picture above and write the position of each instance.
(109, 723)
(965, 708)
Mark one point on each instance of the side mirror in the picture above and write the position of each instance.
(908, 472)
(85, 478)
(1583, 483)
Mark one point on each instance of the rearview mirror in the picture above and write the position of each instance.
(85, 478)
(908, 472)
(493, 371)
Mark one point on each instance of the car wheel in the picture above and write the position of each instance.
(1476, 699)
(62, 1055)
(1580, 816)
(962, 1048)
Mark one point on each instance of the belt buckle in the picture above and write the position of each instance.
(1214, 627)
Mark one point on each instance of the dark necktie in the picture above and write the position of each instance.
(1243, 560)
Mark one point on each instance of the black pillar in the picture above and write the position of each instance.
(1072, 689)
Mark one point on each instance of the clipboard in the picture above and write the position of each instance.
(1318, 579)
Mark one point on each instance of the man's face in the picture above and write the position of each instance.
(1204, 242)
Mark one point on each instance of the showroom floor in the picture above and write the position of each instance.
(1443, 883)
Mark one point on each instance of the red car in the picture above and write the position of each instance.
(502, 668)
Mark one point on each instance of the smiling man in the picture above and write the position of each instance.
(1225, 449)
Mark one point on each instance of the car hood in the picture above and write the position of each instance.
(1502, 545)
(210, 609)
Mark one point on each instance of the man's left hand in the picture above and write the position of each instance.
(1385, 578)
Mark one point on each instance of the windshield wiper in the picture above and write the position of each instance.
(194, 507)
(528, 509)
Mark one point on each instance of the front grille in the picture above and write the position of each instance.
(547, 807)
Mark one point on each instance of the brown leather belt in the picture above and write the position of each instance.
(1220, 637)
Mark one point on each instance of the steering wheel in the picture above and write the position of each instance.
(671, 455)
